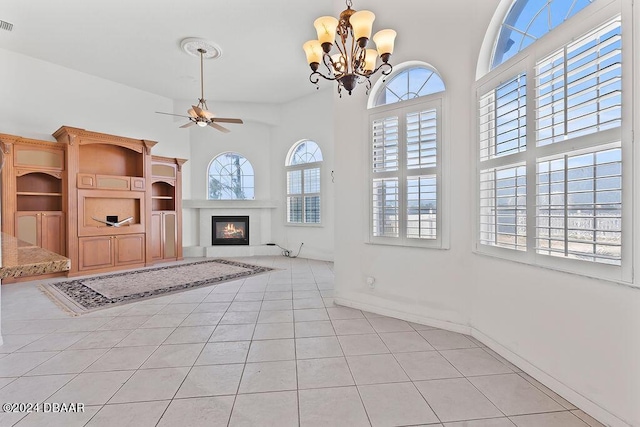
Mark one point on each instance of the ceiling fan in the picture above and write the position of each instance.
(200, 114)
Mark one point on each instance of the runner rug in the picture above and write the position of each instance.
(84, 295)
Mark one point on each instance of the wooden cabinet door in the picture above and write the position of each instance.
(170, 236)
(27, 227)
(95, 252)
(156, 235)
(52, 232)
(129, 249)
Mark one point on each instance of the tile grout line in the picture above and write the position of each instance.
(195, 360)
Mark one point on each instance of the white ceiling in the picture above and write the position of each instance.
(137, 43)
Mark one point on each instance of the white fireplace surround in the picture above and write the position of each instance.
(259, 213)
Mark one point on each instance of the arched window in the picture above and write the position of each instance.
(527, 21)
(554, 152)
(406, 157)
(303, 164)
(407, 84)
(230, 178)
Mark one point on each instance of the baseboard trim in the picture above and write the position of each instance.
(410, 317)
(582, 402)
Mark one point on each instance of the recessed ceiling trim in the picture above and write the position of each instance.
(193, 45)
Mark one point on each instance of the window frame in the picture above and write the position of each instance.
(437, 101)
(208, 176)
(302, 167)
(590, 18)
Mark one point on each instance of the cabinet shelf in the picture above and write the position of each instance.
(34, 193)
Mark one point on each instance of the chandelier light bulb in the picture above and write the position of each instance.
(371, 56)
(202, 124)
(385, 40)
(362, 24)
(314, 52)
(326, 29)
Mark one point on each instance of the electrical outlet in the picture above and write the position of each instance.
(371, 281)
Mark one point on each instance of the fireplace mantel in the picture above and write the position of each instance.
(260, 213)
(228, 204)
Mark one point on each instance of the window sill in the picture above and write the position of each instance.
(519, 257)
(431, 244)
(295, 224)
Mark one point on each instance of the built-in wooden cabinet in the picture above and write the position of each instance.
(164, 236)
(166, 213)
(109, 252)
(33, 197)
(44, 229)
(63, 196)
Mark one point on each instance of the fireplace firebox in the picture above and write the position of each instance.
(230, 230)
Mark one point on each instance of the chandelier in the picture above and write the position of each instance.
(353, 62)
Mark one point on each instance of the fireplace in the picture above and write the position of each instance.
(229, 230)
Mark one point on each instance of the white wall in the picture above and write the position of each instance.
(577, 334)
(38, 97)
(264, 139)
(305, 118)
(251, 139)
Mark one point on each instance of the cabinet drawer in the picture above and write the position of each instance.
(112, 182)
(86, 180)
(137, 184)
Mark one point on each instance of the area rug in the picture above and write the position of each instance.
(88, 294)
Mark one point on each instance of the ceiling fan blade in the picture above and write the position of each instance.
(192, 113)
(170, 114)
(220, 128)
(187, 125)
(223, 120)
(200, 112)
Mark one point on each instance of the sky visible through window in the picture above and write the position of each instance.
(528, 20)
(408, 84)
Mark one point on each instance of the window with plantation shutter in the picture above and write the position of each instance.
(385, 144)
(558, 194)
(406, 137)
(503, 207)
(303, 168)
(503, 119)
(579, 206)
(579, 87)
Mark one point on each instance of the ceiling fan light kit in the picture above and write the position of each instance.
(353, 63)
(199, 114)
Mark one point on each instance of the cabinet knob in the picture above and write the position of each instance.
(44, 214)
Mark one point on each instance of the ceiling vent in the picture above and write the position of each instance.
(6, 26)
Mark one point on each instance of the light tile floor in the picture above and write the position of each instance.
(269, 350)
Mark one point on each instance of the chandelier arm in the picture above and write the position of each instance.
(315, 77)
(353, 62)
(342, 49)
(384, 72)
(328, 62)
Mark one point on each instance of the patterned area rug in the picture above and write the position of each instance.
(88, 294)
